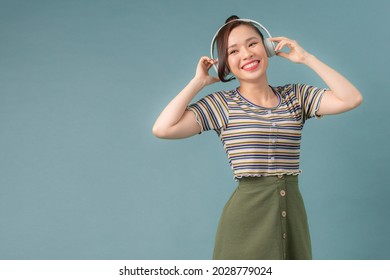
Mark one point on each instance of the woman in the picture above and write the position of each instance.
(260, 127)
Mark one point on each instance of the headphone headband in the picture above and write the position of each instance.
(270, 46)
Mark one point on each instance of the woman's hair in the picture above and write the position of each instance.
(222, 41)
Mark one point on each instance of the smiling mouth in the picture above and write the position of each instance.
(251, 65)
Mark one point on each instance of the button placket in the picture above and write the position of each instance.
(283, 214)
(272, 141)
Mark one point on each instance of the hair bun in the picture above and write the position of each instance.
(231, 18)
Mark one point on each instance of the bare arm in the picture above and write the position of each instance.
(175, 121)
(342, 96)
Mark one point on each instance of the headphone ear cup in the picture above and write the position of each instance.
(269, 47)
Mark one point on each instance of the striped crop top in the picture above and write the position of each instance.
(260, 141)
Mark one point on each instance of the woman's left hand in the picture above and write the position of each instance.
(341, 96)
(296, 54)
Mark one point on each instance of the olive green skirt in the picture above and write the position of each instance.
(264, 219)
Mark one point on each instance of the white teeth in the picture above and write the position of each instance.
(250, 65)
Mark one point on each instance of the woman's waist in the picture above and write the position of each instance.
(267, 181)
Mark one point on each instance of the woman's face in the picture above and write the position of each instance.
(247, 58)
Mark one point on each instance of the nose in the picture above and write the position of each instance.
(247, 53)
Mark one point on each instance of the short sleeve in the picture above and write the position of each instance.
(211, 112)
(310, 99)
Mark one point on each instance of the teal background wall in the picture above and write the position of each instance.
(81, 83)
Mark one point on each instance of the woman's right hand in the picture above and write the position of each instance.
(202, 71)
(175, 121)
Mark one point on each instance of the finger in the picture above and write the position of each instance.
(207, 62)
(285, 43)
(278, 39)
(204, 59)
(211, 61)
(209, 66)
(282, 54)
(280, 45)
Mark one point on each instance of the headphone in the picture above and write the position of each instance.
(268, 44)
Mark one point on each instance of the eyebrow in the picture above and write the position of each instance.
(234, 45)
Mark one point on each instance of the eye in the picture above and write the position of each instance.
(233, 52)
(252, 44)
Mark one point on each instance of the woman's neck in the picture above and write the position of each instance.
(259, 93)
